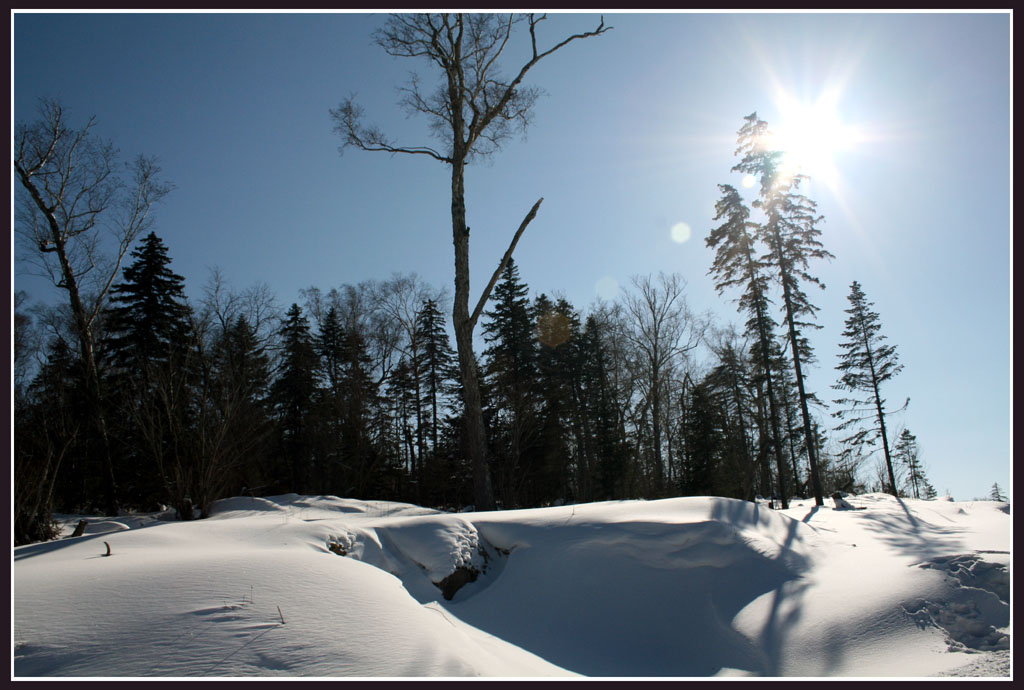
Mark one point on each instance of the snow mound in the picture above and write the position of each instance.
(687, 587)
(240, 506)
(105, 527)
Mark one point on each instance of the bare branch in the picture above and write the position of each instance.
(347, 116)
(504, 262)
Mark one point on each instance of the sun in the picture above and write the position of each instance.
(811, 135)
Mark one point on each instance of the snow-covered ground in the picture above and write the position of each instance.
(324, 586)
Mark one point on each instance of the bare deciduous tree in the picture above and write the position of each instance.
(662, 331)
(76, 208)
(472, 111)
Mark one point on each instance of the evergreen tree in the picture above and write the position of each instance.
(47, 438)
(330, 347)
(359, 453)
(402, 401)
(149, 316)
(330, 344)
(997, 493)
(149, 337)
(553, 473)
(866, 364)
(241, 381)
(703, 433)
(791, 234)
(510, 370)
(736, 264)
(437, 364)
(293, 399)
(729, 382)
(607, 450)
(906, 452)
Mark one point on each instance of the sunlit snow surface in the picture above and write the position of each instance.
(687, 587)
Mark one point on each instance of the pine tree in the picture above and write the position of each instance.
(790, 232)
(906, 452)
(149, 317)
(241, 381)
(703, 432)
(997, 493)
(293, 399)
(555, 472)
(602, 423)
(149, 343)
(49, 459)
(866, 364)
(360, 393)
(736, 265)
(729, 382)
(437, 363)
(510, 371)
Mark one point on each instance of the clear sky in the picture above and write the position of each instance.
(635, 132)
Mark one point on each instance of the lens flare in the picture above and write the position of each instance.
(681, 232)
(553, 328)
(607, 288)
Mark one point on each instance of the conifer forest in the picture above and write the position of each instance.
(131, 395)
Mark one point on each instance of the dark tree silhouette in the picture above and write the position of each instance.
(76, 206)
(791, 234)
(473, 111)
(866, 364)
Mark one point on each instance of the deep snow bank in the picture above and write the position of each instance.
(327, 586)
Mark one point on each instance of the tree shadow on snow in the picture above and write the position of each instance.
(30, 550)
(909, 533)
(646, 599)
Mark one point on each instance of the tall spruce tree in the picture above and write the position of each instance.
(510, 368)
(866, 363)
(791, 234)
(737, 265)
(149, 314)
(240, 385)
(729, 380)
(293, 396)
(602, 420)
(556, 334)
(437, 365)
(360, 453)
(148, 343)
(703, 433)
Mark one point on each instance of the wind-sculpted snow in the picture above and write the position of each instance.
(326, 586)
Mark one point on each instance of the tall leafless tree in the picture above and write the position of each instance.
(472, 111)
(76, 208)
(663, 330)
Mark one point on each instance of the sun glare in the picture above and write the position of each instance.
(811, 135)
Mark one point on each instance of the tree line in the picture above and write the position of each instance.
(130, 396)
(356, 392)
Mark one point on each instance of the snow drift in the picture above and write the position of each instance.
(326, 586)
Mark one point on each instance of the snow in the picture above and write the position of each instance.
(685, 587)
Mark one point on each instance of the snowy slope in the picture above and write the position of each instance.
(324, 586)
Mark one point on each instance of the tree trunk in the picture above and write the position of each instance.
(473, 417)
(808, 433)
(83, 330)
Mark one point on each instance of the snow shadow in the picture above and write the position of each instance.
(32, 550)
(637, 598)
(912, 534)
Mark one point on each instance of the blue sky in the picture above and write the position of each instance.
(636, 130)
